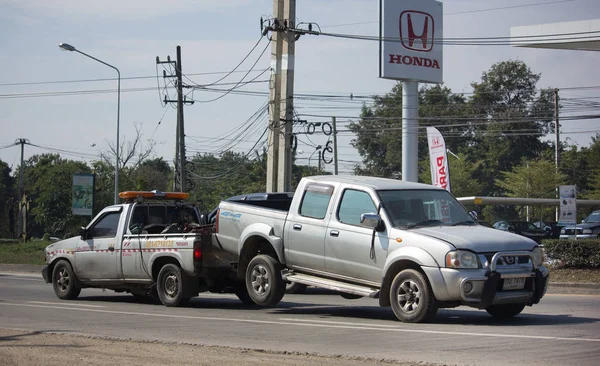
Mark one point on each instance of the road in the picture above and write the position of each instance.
(561, 330)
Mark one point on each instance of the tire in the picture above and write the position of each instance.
(170, 285)
(263, 281)
(505, 311)
(64, 281)
(411, 297)
(242, 293)
(295, 288)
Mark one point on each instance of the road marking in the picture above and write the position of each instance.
(74, 304)
(315, 323)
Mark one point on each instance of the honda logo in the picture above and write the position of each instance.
(416, 30)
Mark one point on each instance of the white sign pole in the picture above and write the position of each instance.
(410, 131)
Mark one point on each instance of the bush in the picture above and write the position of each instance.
(568, 253)
(46, 237)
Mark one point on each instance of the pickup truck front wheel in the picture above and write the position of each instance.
(505, 311)
(170, 285)
(65, 283)
(263, 281)
(412, 298)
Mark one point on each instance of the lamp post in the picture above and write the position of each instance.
(68, 47)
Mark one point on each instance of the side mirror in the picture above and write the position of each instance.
(83, 233)
(373, 221)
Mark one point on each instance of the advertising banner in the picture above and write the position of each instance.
(411, 40)
(438, 159)
(568, 204)
(83, 194)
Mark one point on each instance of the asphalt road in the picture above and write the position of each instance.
(561, 330)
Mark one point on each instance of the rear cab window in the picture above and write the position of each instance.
(316, 200)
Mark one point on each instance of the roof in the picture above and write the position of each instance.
(582, 35)
(372, 182)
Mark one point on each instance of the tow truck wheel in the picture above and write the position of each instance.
(64, 281)
(412, 298)
(263, 281)
(170, 285)
(505, 311)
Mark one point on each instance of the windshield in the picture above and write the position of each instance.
(594, 217)
(412, 208)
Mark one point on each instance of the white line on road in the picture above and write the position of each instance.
(317, 324)
(73, 304)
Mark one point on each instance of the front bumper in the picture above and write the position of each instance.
(46, 274)
(578, 236)
(485, 287)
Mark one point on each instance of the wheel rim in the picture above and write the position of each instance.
(63, 279)
(260, 279)
(171, 286)
(409, 296)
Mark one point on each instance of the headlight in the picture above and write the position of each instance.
(587, 231)
(461, 259)
(538, 256)
(562, 231)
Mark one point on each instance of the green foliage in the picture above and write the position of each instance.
(7, 200)
(566, 253)
(31, 252)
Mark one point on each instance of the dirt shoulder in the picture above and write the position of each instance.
(49, 349)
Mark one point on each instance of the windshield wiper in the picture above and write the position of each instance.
(424, 223)
(465, 222)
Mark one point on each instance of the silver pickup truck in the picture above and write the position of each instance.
(151, 246)
(412, 246)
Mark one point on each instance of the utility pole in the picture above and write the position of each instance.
(20, 230)
(556, 143)
(279, 159)
(335, 147)
(179, 183)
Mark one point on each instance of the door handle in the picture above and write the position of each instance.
(297, 227)
(334, 233)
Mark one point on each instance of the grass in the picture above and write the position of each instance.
(33, 253)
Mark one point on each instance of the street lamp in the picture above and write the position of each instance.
(68, 47)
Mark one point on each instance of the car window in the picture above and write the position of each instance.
(594, 217)
(353, 204)
(316, 200)
(106, 227)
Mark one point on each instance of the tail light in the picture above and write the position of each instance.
(197, 250)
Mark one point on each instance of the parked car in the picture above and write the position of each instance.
(551, 227)
(588, 229)
(524, 228)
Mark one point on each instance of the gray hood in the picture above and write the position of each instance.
(479, 239)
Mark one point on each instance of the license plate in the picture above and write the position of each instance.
(514, 283)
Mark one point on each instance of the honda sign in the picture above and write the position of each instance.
(411, 47)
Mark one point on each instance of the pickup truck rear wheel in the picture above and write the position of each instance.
(64, 281)
(505, 311)
(263, 281)
(412, 298)
(170, 285)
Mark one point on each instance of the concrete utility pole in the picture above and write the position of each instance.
(335, 147)
(20, 221)
(279, 159)
(179, 183)
(556, 143)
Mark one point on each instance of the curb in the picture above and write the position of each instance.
(553, 287)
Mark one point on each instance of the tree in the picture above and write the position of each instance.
(7, 199)
(49, 183)
(153, 174)
(510, 117)
(379, 130)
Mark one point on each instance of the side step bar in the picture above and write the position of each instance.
(330, 284)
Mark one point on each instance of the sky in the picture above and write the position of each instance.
(65, 102)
